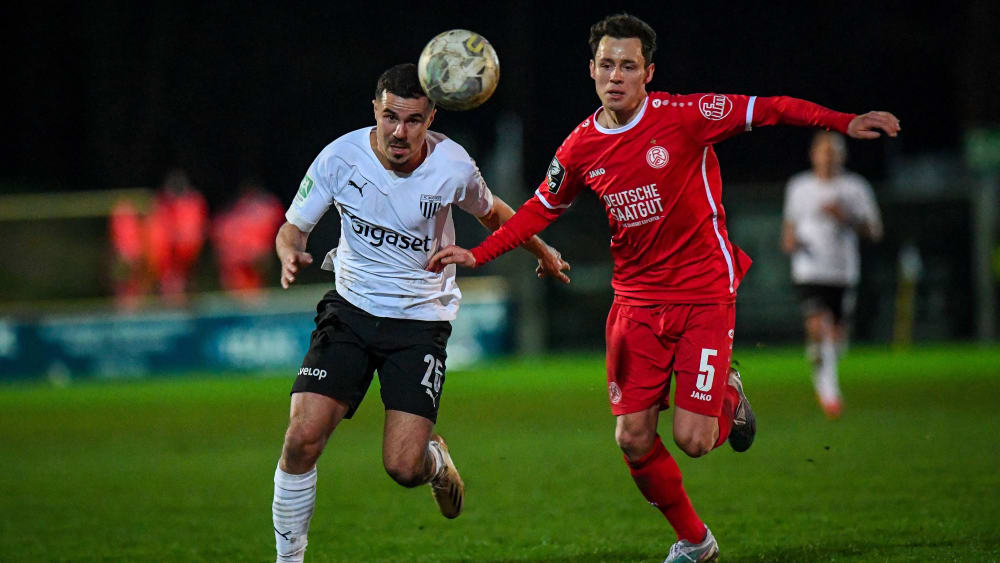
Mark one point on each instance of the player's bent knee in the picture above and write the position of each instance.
(635, 443)
(303, 446)
(694, 445)
(406, 475)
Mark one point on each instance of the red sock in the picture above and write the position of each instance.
(659, 479)
(730, 401)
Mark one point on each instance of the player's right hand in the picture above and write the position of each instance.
(290, 264)
(450, 255)
(868, 125)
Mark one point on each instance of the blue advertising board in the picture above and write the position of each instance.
(215, 339)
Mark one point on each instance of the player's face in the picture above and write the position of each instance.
(400, 127)
(826, 156)
(620, 73)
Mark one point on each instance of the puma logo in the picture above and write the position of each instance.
(360, 190)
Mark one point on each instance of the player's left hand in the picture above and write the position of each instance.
(453, 254)
(868, 125)
(551, 265)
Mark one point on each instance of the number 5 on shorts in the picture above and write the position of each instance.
(706, 372)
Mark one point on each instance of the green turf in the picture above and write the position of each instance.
(180, 469)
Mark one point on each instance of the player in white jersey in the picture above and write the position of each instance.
(826, 209)
(394, 186)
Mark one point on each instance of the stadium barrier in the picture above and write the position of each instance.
(218, 333)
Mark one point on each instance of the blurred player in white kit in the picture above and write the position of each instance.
(826, 210)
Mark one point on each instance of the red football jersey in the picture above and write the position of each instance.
(658, 178)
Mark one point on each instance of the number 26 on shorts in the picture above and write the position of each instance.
(435, 371)
(706, 372)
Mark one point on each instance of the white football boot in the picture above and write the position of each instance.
(447, 485)
(686, 552)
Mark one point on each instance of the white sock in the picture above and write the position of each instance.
(294, 500)
(437, 456)
(829, 387)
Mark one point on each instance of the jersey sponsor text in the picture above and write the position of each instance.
(640, 205)
(376, 235)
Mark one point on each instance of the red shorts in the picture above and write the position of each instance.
(646, 344)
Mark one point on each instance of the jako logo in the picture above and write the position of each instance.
(701, 396)
(596, 173)
(313, 372)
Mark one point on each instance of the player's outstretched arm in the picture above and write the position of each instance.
(550, 260)
(868, 125)
(290, 244)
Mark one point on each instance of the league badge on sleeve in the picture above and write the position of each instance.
(715, 106)
(555, 175)
(305, 187)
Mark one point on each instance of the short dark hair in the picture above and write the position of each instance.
(401, 80)
(623, 26)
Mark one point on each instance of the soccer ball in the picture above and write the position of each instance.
(459, 69)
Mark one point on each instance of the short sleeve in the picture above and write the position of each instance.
(316, 193)
(711, 118)
(562, 181)
(475, 197)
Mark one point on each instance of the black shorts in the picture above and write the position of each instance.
(839, 300)
(349, 345)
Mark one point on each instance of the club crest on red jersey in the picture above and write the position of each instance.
(554, 176)
(657, 157)
(715, 106)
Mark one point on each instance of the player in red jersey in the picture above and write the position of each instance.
(649, 158)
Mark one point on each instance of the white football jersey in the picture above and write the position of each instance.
(827, 251)
(390, 224)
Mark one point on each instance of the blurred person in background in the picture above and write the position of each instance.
(176, 231)
(243, 239)
(826, 210)
(129, 269)
(649, 158)
(395, 186)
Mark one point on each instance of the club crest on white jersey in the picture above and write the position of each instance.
(429, 205)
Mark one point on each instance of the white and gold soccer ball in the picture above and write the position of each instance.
(459, 69)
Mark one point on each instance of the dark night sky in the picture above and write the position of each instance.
(111, 94)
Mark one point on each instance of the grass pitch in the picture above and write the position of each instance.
(179, 469)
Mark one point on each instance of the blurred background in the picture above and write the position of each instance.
(149, 152)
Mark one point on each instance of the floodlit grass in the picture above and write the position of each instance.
(179, 469)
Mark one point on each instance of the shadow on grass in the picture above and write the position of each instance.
(606, 557)
(789, 554)
(876, 551)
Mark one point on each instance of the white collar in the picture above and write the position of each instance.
(631, 122)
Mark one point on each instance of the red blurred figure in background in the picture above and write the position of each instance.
(129, 273)
(243, 238)
(175, 234)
